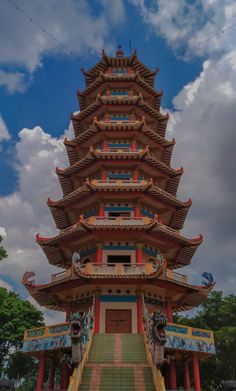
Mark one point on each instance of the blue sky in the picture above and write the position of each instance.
(38, 82)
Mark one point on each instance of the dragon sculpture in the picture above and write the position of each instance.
(155, 324)
(209, 280)
(80, 324)
(158, 336)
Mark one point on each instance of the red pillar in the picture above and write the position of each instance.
(196, 373)
(64, 375)
(137, 211)
(139, 253)
(99, 253)
(41, 372)
(169, 313)
(51, 375)
(104, 176)
(133, 145)
(68, 312)
(186, 376)
(172, 376)
(135, 175)
(139, 314)
(101, 212)
(97, 315)
(105, 146)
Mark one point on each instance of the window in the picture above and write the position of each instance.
(119, 259)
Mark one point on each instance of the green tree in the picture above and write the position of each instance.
(3, 253)
(16, 315)
(217, 313)
(20, 366)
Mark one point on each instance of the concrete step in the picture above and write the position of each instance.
(115, 350)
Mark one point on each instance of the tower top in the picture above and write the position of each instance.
(119, 52)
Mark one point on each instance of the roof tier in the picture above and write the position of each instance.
(138, 130)
(127, 81)
(135, 106)
(120, 62)
(67, 210)
(68, 288)
(178, 249)
(154, 167)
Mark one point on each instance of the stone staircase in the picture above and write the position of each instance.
(117, 362)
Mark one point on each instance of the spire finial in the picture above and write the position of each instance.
(119, 52)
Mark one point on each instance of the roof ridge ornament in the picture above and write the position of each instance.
(119, 52)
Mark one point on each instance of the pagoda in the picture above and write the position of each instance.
(119, 242)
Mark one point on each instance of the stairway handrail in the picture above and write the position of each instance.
(76, 377)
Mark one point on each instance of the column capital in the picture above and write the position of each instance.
(97, 292)
(99, 245)
(139, 245)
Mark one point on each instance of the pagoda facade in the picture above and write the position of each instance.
(119, 243)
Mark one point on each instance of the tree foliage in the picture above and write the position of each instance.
(16, 315)
(217, 313)
(3, 252)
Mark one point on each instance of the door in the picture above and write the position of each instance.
(118, 321)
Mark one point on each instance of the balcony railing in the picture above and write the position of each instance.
(118, 182)
(116, 269)
(106, 221)
(119, 121)
(179, 337)
(118, 97)
(118, 151)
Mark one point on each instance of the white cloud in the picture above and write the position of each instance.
(13, 81)
(72, 23)
(183, 23)
(204, 128)
(4, 132)
(24, 213)
(2, 232)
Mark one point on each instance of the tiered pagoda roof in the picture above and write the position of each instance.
(119, 129)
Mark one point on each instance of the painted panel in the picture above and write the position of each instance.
(120, 298)
(50, 343)
(122, 247)
(189, 344)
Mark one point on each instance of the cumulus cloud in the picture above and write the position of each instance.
(72, 23)
(190, 23)
(13, 81)
(4, 132)
(24, 212)
(204, 127)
